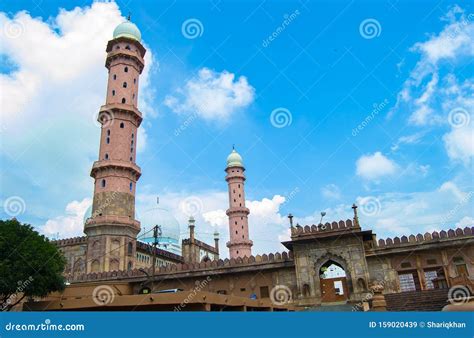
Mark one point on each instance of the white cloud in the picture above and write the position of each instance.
(407, 139)
(433, 90)
(71, 224)
(52, 94)
(331, 191)
(212, 95)
(374, 167)
(466, 221)
(459, 143)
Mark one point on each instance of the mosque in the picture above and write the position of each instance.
(330, 263)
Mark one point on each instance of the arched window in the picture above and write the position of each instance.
(117, 47)
(125, 69)
(124, 85)
(107, 140)
(122, 125)
(130, 266)
(106, 156)
(131, 159)
(134, 80)
(128, 47)
(123, 100)
(133, 96)
(108, 132)
(133, 135)
(103, 183)
(131, 150)
(113, 92)
(131, 186)
(115, 76)
(130, 248)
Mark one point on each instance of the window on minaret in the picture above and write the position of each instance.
(131, 150)
(122, 125)
(130, 248)
(106, 156)
(131, 186)
(124, 85)
(108, 132)
(235, 222)
(236, 232)
(133, 135)
(125, 69)
(131, 159)
(115, 76)
(123, 100)
(107, 140)
(134, 80)
(113, 92)
(127, 47)
(103, 183)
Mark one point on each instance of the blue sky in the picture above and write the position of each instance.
(372, 103)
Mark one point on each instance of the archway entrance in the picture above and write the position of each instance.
(333, 282)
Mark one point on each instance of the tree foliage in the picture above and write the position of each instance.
(30, 265)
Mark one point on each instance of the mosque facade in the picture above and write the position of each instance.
(325, 263)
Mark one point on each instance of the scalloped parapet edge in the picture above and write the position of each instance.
(186, 267)
(427, 237)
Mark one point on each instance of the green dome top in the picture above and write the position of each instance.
(129, 30)
(234, 160)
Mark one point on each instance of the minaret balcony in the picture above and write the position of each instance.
(125, 54)
(247, 242)
(120, 111)
(237, 211)
(112, 220)
(116, 164)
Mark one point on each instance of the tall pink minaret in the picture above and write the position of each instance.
(112, 229)
(239, 245)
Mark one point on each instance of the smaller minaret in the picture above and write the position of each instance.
(356, 218)
(216, 241)
(191, 223)
(239, 244)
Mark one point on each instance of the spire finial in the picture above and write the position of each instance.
(129, 16)
(233, 146)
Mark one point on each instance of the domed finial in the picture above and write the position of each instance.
(234, 159)
(127, 29)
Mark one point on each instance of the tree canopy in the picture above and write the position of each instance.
(30, 265)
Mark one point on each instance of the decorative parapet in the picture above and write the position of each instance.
(314, 229)
(188, 267)
(426, 238)
(70, 241)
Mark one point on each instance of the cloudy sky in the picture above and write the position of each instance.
(328, 103)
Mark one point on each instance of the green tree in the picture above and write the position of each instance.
(30, 265)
